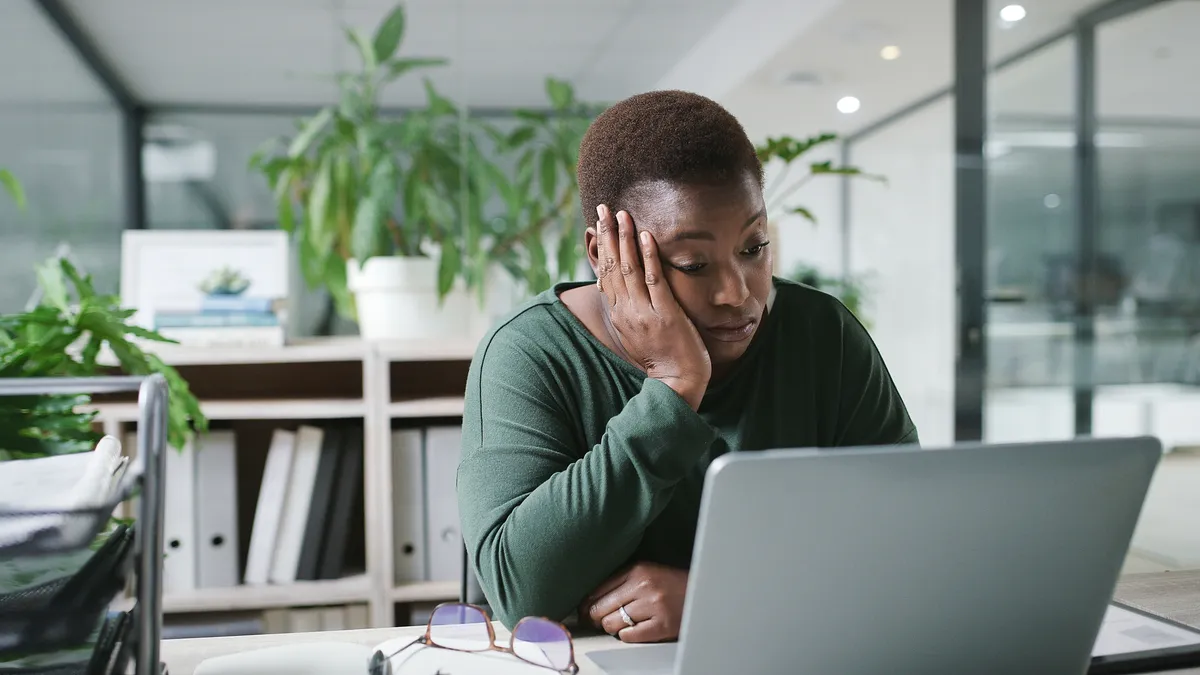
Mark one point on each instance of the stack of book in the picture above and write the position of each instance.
(224, 320)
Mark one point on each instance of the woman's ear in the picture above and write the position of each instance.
(590, 244)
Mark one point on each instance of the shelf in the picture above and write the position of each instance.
(455, 349)
(271, 409)
(298, 351)
(350, 590)
(448, 406)
(426, 591)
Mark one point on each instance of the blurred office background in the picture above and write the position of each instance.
(1030, 269)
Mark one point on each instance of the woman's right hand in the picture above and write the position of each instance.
(646, 318)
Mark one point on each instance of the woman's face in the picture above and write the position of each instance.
(713, 245)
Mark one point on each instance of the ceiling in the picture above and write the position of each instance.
(283, 52)
(1142, 62)
(37, 67)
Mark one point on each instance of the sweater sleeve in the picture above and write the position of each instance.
(870, 408)
(545, 520)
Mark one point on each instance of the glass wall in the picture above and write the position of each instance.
(1147, 360)
(61, 136)
(1031, 235)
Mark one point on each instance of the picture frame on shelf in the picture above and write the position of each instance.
(208, 288)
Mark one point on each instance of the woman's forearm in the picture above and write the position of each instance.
(544, 531)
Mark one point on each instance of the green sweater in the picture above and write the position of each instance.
(574, 464)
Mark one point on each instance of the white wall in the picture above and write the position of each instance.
(902, 235)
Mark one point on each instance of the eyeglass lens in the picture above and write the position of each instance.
(543, 643)
(459, 627)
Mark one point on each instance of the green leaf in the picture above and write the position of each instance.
(519, 136)
(389, 34)
(366, 50)
(801, 211)
(438, 104)
(308, 133)
(448, 267)
(82, 283)
(283, 206)
(561, 94)
(827, 168)
(401, 66)
(531, 116)
(503, 185)
(138, 331)
(54, 287)
(333, 277)
(549, 174)
(321, 229)
(13, 187)
(538, 276)
(568, 251)
(440, 211)
(365, 241)
(370, 236)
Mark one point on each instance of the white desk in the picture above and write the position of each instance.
(182, 656)
(1175, 595)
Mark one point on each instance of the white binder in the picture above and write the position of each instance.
(443, 447)
(179, 519)
(267, 514)
(292, 522)
(408, 505)
(216, 511)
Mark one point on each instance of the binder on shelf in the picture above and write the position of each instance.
(322, 501)
(408, 505)
(179, 520)
(216, 511)
(268, 512)
(443, 447)
(302, 479)
(347, 497)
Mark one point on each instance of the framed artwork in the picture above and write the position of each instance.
(207, 287)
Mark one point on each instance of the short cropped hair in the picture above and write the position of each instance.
(675, 136)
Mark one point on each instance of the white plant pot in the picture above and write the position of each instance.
(397, 300)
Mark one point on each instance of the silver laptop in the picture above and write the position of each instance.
(975, 558)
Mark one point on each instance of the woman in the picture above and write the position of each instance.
(593, 410)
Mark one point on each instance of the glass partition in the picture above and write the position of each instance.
(61, 136)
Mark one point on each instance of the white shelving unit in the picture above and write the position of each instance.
(389, 391)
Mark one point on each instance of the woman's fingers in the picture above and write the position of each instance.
(608, 603)
(650, 630)
(656, 287)
(612, 283)
(639, 611)
(630, 263)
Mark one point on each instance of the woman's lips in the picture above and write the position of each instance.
(733, 332)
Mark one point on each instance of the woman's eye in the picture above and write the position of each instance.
(756, 249)
(689, 269)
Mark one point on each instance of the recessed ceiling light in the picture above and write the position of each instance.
(1052, 201)
(890, 53)
(1012, 13)
(848, 104)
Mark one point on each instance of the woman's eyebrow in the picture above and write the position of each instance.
(699, 233)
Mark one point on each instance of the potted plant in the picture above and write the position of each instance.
(534, 231)
(65, 335)
(338, 182)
